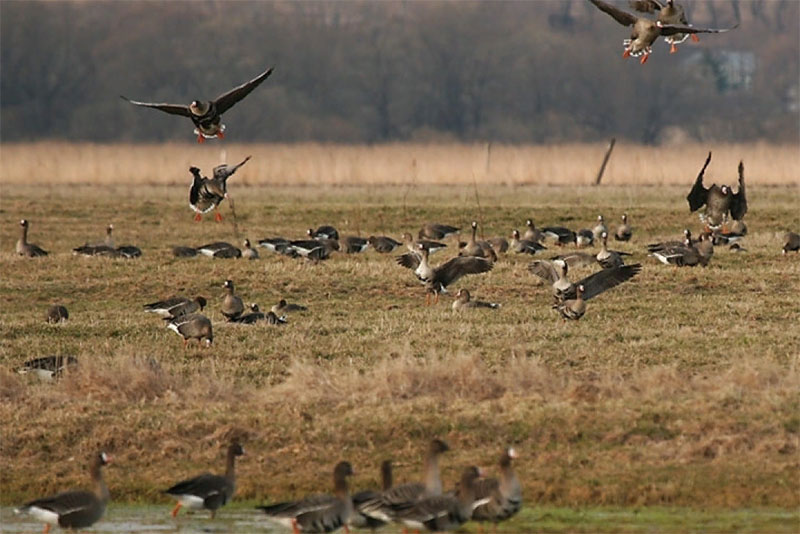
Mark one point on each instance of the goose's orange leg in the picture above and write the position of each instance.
(644, 59)
(626, 53)
(221, 135)
(200, 138)
(295, 528)
(177, 506)
(217, 215)
(695, 38)
(46, 528)
(198, 217)
(673, 48)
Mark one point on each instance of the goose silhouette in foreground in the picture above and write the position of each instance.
(205, 194)
(555, 272)
(669, 12)
(207, 114)
(317, 513)
(24, 248)
(436, 279)
(387, 504)
(48, 367)
(646, 31)
(360, 520)
(718, 200)
(505, 493)
(73, 509)
(207, 491)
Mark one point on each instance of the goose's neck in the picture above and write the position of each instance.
(100, 488)
(386, 476)
(24, 235)
(230, 467)
(341, 488)
(474, 232)
(433, 480)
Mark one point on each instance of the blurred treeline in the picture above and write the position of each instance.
(532, 71)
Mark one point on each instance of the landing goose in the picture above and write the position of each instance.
(283, 307)
(646, 31)
(556, 273)
(437, 231)
(624, 230)
(207, 115)
(524, 246)
(505, 493)
(573, 309)
(441, 513)
(249, 253)
(176, 306)
(56, 314)
(436, 279)
(354, 244)
(413, 245)
(464, 301)
(207, 491)
(73, 509)
(317, 513)
(719, 201)
(48, 367)
(360, 520)
(668, 13)
(532, 233)
(192, 326)
(383, 244)
(562, 236)
(24, 248)
(791, 242)
(390, 502)
(205, 194)
(232, 305)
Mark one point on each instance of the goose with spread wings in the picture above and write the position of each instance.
(646, 31)
(718, 200)
(555, 272)
(436, 279)
(207, 114)
(669, 12)
(205, 194)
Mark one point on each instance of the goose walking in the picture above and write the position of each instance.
(207, 115)
(719, 201)
(192, 326)
(207, 491)
(73, 509)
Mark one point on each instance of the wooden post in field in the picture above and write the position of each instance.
(605, 161)
(488, 157)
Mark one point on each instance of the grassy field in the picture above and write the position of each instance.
(681, 388)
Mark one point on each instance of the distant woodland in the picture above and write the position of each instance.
(371, 72)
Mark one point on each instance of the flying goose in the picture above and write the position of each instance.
(668, 13)
(47, 367)
(360, 520)
(232, 305)
(437, 231)
(562, 236)
(176, 306)
(390, 502)
(23, 247)
(532, 233)
(719, 201)
(413, 245)
(624, 231)
(354, 244)
(436, 279)
(249, 253)
(219, 249)
(56, 314)
(192, 326)
(524, 246)
(205, 194)
(439, 513)
(206, 115)
(463, 301)
(383, 244)
(573, 309)
(505, 494)
(555, 272)
(317, 513)
(646, 31)
(207, 491)
(791, 242)
(77, 509)
(283, 307)
(324, 232)
(256, 316)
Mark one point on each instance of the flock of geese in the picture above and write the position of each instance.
(416, 505)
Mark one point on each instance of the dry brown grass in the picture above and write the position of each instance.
(317, 164)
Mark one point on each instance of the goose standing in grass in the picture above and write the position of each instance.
(48, 367)
(205, 194)
(646, 31)
(524, 246)
(207, 491)
(413, 244)
(232, 305)
(555, 273)
(249, 253)
(207, 115)
(436, 279)
(624, 230)
(383, 244)
(464, 301)
(192, 326)
(599, 228)
(176, 306)
(505, 493)
(668, 13)
(24, 248)
(441, 513)
(73, 509)
(609, 258)
(56, 314)
(719, 201)
(437, 231)
(360, 520)
(791, 242)
(317, 513)
(283, 307)
(389, 503)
